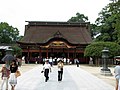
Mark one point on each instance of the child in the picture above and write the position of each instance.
(5, 76)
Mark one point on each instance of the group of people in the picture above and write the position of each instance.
(47, 69)
(9, 75)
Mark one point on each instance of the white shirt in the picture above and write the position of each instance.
(46, 66)
(117, 71)
(50, 60)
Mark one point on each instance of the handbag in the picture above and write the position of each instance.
(17, 73)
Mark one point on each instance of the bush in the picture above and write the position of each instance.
(95, 49)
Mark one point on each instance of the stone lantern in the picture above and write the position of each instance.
(105, 56)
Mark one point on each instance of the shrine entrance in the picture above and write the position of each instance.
(55, 49)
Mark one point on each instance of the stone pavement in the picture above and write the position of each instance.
(96, 72)
(74, 78)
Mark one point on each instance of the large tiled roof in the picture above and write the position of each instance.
(42, 32)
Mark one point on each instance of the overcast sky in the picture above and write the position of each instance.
(16, 12)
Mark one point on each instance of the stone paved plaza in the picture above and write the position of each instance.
(74, 78)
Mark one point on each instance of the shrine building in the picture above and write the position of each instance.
(44, 39)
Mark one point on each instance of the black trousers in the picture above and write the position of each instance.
(60, 73)
(77, 64)
(46, 73)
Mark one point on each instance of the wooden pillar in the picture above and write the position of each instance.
(28, 57)
(68, 53)
(47, 52)
(40, 54)
(63, 54)
(74, 52)
(28, 52)
(51, 53)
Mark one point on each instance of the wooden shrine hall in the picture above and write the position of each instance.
(44, 39)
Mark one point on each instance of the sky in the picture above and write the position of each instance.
(16, 12)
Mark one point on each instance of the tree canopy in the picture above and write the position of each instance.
(78, 18)
(108, 27)
(108, 23)
(17, 51)
(8, 34)
(95, 49)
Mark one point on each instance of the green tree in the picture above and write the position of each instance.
(81, 18)
(17, 51)
(108, 23)
(115, 9)
(95, 48)
(78, 18)
(8, 34)
(94, 30)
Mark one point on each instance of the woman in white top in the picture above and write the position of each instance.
(46, 69)
(60, 70)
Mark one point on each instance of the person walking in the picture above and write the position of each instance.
(51, 61)
(13, 78)
(60, 70)
(76, 61)
(5, 76)
(46, 69)
(117, 75)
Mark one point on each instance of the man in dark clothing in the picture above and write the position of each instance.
(46, 69)
(77, 62)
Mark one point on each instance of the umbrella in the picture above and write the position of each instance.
(8, 58)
